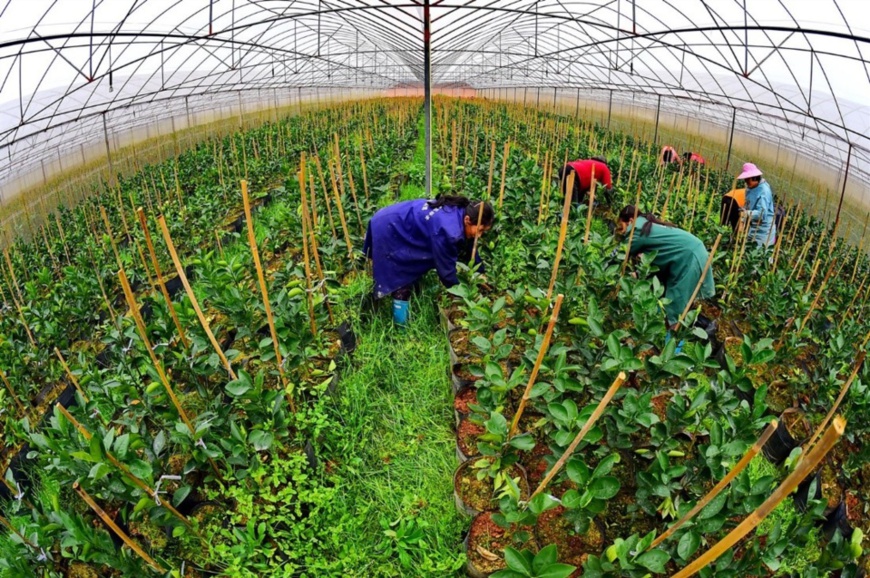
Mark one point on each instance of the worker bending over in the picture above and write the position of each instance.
(408, 239)
(680, 257)
(583, 170)
(732, 203)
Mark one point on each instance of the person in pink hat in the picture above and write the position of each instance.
(758, 211)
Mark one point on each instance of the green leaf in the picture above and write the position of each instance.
(546, 557)
(558, 412)
(688, 545)
(238, 387)
(714, 507)
(122, 442)
(507, 574)
(541, 503)
(578, 471)
(604, 466)
(180, 494)
(99, 471)
(159, 443)
(260, 439)
(518, 561)
(141, 469)
(654, 561)
(525, 442)
(571, 499)
(604, 488)
(557, 571)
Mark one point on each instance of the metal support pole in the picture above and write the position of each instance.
(658, 112)
(427, 94)
(109, 152)
(845, 180)
(577, 106)
(730, 139)
(609, 108)
(554, 98)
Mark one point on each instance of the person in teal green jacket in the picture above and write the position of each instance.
(680, 258)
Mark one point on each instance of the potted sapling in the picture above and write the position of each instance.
(478, 483)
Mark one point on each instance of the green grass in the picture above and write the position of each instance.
(393, 448)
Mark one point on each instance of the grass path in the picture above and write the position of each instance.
(393, 448)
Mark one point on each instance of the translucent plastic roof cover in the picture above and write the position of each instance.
(798, 62)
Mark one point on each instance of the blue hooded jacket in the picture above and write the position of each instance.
(762, 214)
(408, 239)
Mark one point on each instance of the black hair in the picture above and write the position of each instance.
(629, 212)
(472, 208)
(668, 155)
(687, 155)
(599, 159)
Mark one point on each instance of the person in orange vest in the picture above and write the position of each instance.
(583, 170)
(732, 203)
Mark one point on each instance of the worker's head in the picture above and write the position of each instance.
(751, 175)
(475, 212)
(478, 212)
(630, 213)
(600, 159)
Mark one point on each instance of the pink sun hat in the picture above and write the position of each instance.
(749, 171)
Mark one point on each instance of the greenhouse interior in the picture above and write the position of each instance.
(435, 288)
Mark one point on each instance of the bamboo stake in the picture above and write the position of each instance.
(124, 469)
(311, 320)
(362, 160)
(563, 232)
(591, 202)
(12, 392)
(9, 525)
(779, 243)
(803, 469)
(341, 216)
(12, 274)
(602, 405)
(160, 283)
(325, 196)
(545, 344)
(340, 177)
(99, 276)
(111, 237)
(701, 280)
(543, 187)
(717, 489)
(193, 301)
(491, 167)
(111, 524)
(312, 242)
(858, 362)
(252, 240)
(507, 148)
(852, 303)
(158, 366)
(631, 233)
(69, 374)
(313, 202)
(800, 260)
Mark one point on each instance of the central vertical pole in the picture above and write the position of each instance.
(658, 112)
(427, 94)
(845, 180)
(731, 139)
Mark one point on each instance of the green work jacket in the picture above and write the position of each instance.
(680, 257)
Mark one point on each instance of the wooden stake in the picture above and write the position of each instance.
(545, 344)
(111, 524)
(803, 469)
(124, 469)
(12, 392)
(717, 489)
(193, 301)
(9, 525)
(160, 283)
(70, 375)
(563, 232)
(602, 405)
(362, 160)
(340, 177)
(110, 235)
(12, 274)
(338, 204)
(858, 362)
(591, 203)
(701, 280)
(252, 240)
(507, 148)
(630, 234)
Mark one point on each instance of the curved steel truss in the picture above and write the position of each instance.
(66, 66)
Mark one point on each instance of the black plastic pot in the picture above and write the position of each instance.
(801, 496)
(236, 225)
(311, 455)
(348, 338)
(174, 285)
(780, 445)
(43, 394)
(837, 519)
(227, 340)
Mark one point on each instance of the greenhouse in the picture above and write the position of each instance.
(436, 288)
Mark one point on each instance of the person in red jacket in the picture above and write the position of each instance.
(583, 170)
(669, 155)
(691, 157)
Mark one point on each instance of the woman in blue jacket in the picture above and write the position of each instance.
(408, 239)
(759, 211)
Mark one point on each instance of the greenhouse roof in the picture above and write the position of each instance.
(796, 70)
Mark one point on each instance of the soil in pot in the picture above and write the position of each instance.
(830, 485)
(486, 543)
(465, 396)
(466, 437)
(573, 547)
(535, 463)
(478, 494)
